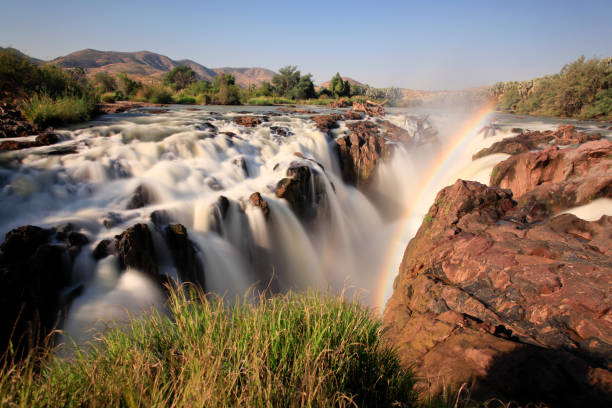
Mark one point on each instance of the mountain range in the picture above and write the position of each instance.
(149, 65)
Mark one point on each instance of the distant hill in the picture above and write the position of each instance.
(34, 60)
(248, 76)
(149, 65)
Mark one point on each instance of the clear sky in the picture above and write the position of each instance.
(412, 44)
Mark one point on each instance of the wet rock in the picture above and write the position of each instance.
(207, 127)
(156, 111)
(524, 172)
(214, 184)
(22, 242)
(352, 115)
(112, 219)
(135, 250)
(47, 138)
(360, 152)
(257, 200)
(217, 214)
(33, 273)
(394, 132)
(185, 255)
(104, 248)
(240, 162)
(11, 145)
(280, 131)
(519, 299)
(304, 190)
(141, 197)
(160, 218)
(44, 139)
(525, 142)
(326, 122)
(12, 124)
(248, 121)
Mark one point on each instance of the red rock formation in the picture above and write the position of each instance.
(257, 200)
(525, 142)
(526, 171)
(521, 309)
(247, 121)
(360, 153)
(326, 122)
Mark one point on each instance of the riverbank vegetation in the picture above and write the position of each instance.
(582, 89)
(292, 350)
(46, 94)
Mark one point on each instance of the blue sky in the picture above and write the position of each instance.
(411, 44)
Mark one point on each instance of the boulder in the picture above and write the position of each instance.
(519, 310)
(326, 122)
(185, 255)
(35, 269)
(135, 249)
(524, 172)
(257, 200)
(217, 215)
(247, 121)
(141, 197)
(352, 115)
(360, 152)
(525, 142)
(305, 192)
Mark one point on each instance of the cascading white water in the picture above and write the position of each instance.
(186, 165)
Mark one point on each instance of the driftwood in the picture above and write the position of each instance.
(369, 108)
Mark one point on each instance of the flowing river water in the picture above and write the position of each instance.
(187, 158)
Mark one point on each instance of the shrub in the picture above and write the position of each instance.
(185, 100)
(44, 110)
(293, 350)
(155, 94)
(108, 97)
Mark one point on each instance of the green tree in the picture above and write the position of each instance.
(104, 82)
(304, 89)
(127, 85)
(180, 77)
(287, 78)
(265, 89)
(227, 92)
(339, 87)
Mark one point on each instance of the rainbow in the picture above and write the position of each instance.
(433, 178)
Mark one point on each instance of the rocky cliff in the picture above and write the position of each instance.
(513, 297)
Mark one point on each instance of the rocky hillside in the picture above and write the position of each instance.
(501, 290)
(145, 64)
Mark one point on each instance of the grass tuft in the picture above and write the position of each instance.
(43, 110)
(292, 351)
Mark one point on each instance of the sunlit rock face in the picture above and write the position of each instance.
(504, 288)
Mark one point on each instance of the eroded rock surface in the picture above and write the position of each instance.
(524, 172)
(35, 268)
(525, 142)
(360, 152)
(305, 192)
(521, 309)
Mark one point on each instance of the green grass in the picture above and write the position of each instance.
(428, 219)
(44, 110)
(295, 350)
(270, 100)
